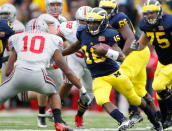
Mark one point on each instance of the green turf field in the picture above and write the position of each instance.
(93, 121)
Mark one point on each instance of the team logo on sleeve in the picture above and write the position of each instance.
(2, 34)
(101, 38)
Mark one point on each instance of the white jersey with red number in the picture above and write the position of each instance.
(68, 31)
(35, 48)
(51, 20)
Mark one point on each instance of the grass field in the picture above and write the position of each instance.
(93, 121)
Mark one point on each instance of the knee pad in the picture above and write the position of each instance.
(148, 99)
(164, 94)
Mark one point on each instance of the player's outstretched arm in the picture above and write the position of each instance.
(60, 61)
(72, 48)
(11, 61)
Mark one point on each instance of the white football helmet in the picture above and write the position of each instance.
(8, 12)
(81, 12)
(37, 24)
(54, 10)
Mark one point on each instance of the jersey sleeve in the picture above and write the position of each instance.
(121, 20)
(112, 37)
(65, 29)
(57, 43)
(12, 42)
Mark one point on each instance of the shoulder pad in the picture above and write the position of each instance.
(81, 28)
(166, 21)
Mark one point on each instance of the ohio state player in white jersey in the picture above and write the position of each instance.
(76, 61)
(8, 12)
(31, 53)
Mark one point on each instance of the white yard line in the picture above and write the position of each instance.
(92, 129)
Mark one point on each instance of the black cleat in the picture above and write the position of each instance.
(168, 122)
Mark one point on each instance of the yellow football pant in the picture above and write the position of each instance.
(162, 77)
(134, 67)
(102, 87)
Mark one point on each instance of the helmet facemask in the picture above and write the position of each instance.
(151, 8)
(55, 7)
(97, 18)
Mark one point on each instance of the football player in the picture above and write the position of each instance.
(135, 71)
(101, 62)
(6, 30)
(26, 69)
(8, 12)
(157, 30)
(53, 19)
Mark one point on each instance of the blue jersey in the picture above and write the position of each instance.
(160, 37)
(98, 66)
(6, 31)
(120, 20)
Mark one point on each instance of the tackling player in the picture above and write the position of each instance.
(26, 69)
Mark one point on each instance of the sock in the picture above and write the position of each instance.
(133, 109)
(80, 113)
(150, 114)
(57, 116)
(117, 115)
(163, 109)
(169, 103)
(41, 109)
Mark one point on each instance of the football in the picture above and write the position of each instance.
(103, 45)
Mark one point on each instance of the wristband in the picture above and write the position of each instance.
(112, 54)
(83, 90)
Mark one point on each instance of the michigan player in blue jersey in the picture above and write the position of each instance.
(101, 61)
(136, 71)
(6, 31)
(157, 29)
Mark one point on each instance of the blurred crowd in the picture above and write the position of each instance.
(28, 9)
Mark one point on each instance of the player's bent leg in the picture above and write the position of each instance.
(55, 104)
(42, 101)
(64, 90)
(128, 91)
(82, 107)
(102, 91)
